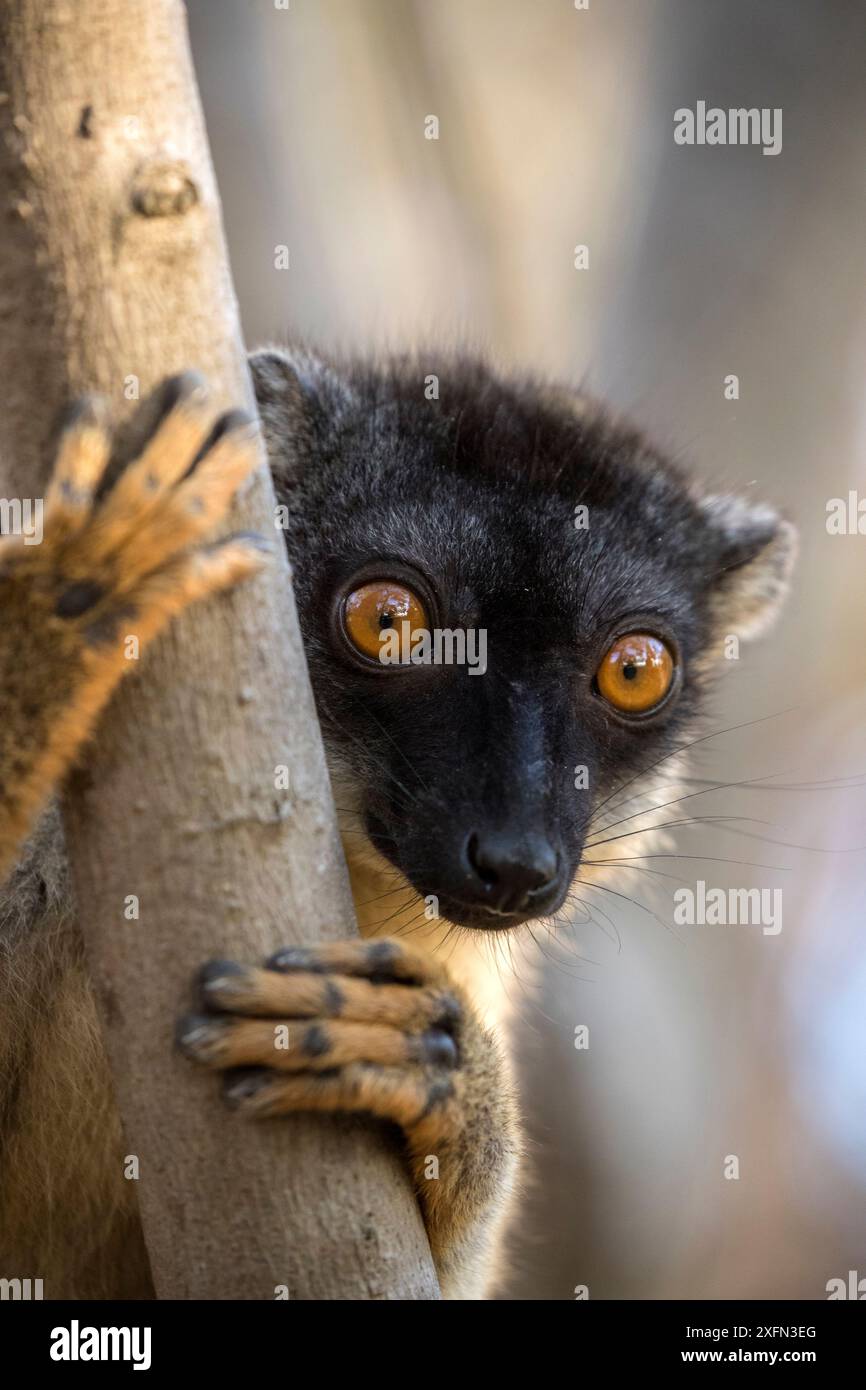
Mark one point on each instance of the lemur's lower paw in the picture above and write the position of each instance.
(111, 569)
(373, 1026)
(356, 1026)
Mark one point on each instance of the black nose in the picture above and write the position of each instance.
(511, 871)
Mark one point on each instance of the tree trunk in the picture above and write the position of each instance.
(113, 267)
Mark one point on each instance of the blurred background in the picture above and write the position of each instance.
(556, 129)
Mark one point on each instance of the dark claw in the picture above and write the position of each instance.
(84, 411)
(182, 389)
(216, 969)
(233, 421)
(451, 1015)
(438, 1048)
(194, 1032)
(215, 980)
(243, 1083)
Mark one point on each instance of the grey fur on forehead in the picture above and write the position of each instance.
(341, 434)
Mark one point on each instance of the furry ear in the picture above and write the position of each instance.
(754, 555)
(296, 391)
(285, 416)
(272, 373)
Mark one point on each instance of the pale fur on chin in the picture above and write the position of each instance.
(386, 904)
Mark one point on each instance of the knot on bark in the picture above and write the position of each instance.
(163, 188)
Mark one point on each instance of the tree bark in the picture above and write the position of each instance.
(113, 267)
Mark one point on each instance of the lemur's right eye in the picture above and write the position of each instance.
(381, 618)
(636, 673)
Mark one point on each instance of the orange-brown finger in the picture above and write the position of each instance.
(386, 959)
(231, 988)
(184, 517)
(163, 461)
(407, 1096)
(82, 458)
(316, 1044)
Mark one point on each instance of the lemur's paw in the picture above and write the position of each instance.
(369, 1026)
(378, 1027)
(123, 564)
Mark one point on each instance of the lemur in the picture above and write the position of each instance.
(604, 582)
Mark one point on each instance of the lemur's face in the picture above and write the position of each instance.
(509, 607)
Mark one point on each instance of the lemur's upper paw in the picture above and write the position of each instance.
(123, 563)
(354, 1026)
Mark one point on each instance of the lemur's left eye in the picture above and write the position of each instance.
(636, 673)
(374, 610)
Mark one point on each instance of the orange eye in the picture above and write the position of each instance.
(636, 673)
(374, 610)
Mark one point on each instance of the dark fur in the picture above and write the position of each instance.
(475, 491)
